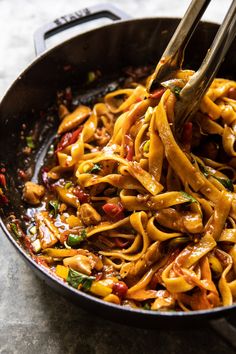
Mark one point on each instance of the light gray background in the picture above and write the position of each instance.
(33, 318)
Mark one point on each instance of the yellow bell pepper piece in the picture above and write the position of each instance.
(114, 299)
(62, 271)
(97, 288)
(73, 221)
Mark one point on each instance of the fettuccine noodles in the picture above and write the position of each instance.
(132, 215)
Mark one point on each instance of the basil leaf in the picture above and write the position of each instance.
(96, 168)
(190, 198)
(75, 279)
(54, 206)
(176, 90)
(226, 182)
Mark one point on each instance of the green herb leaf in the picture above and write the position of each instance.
(75, 279)
(30, 142)
(75, 240)
(96, 168)
(68, 185)
(147, 306)
(54, 206)
(190, 198)
(176, 90)
(226, 182)
(203, 170)
(146, 146)
(15, 229)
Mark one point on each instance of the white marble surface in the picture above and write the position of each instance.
(33, 319)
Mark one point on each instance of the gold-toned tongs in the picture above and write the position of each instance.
(172, 59)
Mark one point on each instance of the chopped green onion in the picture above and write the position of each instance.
(54, 206)
(68, 185)
(176, 91)
(30, 142)
(33, 230)
(15, 229)
(190, 198)
(75, 279)
(96, 168)
(75, 240)
(91, 76)
(146, 146)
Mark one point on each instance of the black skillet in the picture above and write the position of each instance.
(133, 42)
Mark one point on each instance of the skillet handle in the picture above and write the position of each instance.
(85, 15)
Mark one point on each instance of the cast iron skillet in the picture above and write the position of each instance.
(129, 42)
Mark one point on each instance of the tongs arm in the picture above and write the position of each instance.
(192, 93)
(172, 57)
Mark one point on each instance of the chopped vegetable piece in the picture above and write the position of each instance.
(73, 221)
(114, 299)
(96, 168)
(147, 306)
(3, 182)
(30, 142)
(81, 195)
(36, 245)
(97, 288)
(75, 240)
(176, 91)
(68, 139)
(3, 198)
(54, 206)
(33, 230)
(68, 185)
(146, 146)
(62, 271)
(114, 211)
(120, 289)
(190, 198)
(226, 182)
(75, 279)
(16, 230)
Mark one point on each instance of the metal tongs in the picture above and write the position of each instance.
(172, 59)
